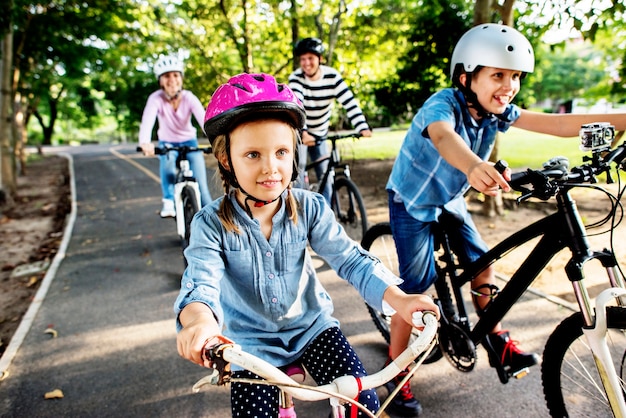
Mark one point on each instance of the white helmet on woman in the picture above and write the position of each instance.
(492, 45)
(166, 64)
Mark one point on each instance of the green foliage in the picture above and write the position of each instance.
(83, 59)
(571, 73)
(57, 46)
(424, 68)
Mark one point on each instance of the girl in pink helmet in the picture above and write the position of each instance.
(250, 275)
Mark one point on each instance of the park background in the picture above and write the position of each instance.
(76, 72)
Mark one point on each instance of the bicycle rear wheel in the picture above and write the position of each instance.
(190, 207)
(571, 383)
(349, 208)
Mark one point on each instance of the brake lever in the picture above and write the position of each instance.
(524, 197)
(215, 356)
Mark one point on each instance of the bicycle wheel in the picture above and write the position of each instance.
(190, 207)
(379, 242)
(349, 208)
(571, 383)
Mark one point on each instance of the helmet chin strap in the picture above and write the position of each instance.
(174, 97)
(258, 203)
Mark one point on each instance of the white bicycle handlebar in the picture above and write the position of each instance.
(344, 387)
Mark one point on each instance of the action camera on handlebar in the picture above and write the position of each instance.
(596, 136)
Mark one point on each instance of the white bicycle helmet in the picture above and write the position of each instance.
(166, 64)
(492, 45)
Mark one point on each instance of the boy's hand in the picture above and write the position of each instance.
(486, 179)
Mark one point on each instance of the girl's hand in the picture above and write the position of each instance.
(486, 179)
(417, 303)
(199, 327)
(406, 304)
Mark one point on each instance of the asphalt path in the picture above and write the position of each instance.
(110, 303)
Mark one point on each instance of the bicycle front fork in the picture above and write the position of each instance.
(596, 338)
(178, 202)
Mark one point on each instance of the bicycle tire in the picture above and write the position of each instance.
(190, 207)
(577, 391)
(347, 203)
(378, 240)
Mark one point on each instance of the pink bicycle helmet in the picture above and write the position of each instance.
(245, 95)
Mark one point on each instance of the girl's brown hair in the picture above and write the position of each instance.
(226, 210)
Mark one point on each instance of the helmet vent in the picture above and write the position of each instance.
(258, 77)
(240, 86)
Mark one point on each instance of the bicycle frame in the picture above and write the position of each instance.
(582, 356)
(184, 178)
(562, 229)
(341, 390)
(333, 159)
(187, 198)
(345, 198)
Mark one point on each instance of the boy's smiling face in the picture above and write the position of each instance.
(495, 88)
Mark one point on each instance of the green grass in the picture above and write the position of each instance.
(519, 148)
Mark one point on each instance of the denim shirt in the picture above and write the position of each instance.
(265, 293)
(420, 177)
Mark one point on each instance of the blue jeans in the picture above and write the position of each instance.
(314, 153)
(415, 246)
(167, 170)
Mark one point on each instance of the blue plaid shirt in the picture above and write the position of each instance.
(420, 177)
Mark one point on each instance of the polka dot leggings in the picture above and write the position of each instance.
(327, 357)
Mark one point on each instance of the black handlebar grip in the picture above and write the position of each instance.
(501, 166)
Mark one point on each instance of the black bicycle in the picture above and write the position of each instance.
(346, 200)
(584, 359)
(186, 191)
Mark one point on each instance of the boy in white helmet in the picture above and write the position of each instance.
(173, 107)
(445, 152)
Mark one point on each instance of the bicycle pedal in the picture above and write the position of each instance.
(521, 373)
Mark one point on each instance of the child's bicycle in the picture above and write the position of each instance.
(186, 190)
(346, 200)
(344, 389)
(584, 360)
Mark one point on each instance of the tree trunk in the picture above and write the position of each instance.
(295, 33)
(8, 183)
(482, 11)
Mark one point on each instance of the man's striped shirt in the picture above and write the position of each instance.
(318, 96)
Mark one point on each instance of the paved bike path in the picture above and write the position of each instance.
(110, 304)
